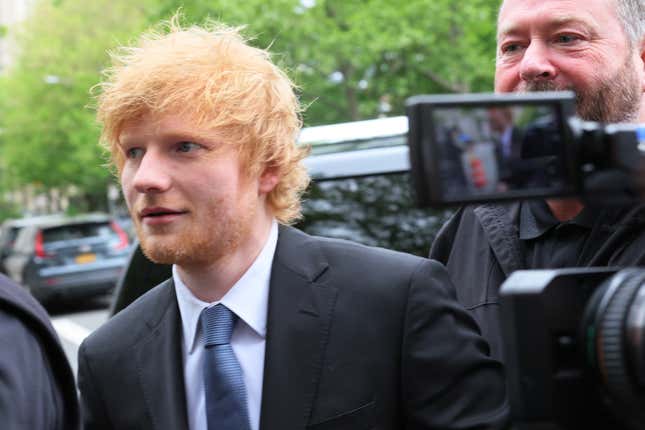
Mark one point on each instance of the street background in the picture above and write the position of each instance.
(352, 60)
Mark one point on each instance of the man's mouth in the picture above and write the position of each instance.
(159, 212)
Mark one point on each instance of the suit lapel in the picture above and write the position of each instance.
(299, 315)
(159, 363)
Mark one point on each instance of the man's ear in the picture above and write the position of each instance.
(268, 180)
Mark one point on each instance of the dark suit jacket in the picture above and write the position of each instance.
(37, 388)
(357, 338)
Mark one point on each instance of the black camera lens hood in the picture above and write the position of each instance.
(619, 343)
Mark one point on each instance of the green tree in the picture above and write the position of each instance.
(348, 55)
(49, 133)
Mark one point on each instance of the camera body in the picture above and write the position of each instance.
(471, 148)
(574, 338)
(575, 347)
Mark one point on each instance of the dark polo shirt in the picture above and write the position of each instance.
(549, 243)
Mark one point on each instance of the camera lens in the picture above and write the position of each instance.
(614, 333)
(636, 336)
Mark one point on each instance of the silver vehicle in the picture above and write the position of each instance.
(9, 232)
(69, 257)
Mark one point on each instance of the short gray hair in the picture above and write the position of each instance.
(631, 14)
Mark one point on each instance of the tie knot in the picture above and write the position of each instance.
(217, 325)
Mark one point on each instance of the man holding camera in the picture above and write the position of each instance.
(595, 48)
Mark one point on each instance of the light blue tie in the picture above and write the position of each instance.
(226, 407)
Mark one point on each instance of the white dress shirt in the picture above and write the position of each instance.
(507, 142)
(248, 299)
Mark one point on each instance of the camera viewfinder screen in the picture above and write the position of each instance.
(498, 150)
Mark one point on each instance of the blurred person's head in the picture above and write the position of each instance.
(202, 130)
(500, 118)
(595, 48)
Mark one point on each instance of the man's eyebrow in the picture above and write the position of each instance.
(211, 139)
(121, 141)
(183, 134)
(167, 134)
(124, 140)
(553, 23)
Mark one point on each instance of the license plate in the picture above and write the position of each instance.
(85, 258)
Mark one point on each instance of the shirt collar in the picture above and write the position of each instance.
(536, 219)
(248, 298)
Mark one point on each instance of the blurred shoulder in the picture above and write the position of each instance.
(343, 256)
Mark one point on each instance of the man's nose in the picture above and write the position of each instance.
(152, 175)
(536, 64)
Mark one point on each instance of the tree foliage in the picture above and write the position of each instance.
(49, 134)
(347, 56)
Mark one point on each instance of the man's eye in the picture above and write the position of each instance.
(566, 38)
(133, 153)
(510, 48)
(187, 146)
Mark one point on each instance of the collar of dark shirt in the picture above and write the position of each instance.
(536, 219)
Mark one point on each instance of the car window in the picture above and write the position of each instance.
(25, 239)
(8, 236)
(77, 231)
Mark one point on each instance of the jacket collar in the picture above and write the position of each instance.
(159, 362)
(300, 311)
(500, 223)
(536, 219)
(299, 314)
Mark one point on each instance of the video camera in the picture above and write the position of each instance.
(575, 343)
(574, 338)
(472, 148)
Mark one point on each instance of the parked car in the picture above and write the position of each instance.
(360, 191)
(9, 230)
(69, 257)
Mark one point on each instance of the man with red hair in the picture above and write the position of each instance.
(261, 326)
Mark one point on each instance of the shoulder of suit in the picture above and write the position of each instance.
(25, 322)
(129, 325)
(17, 301)
(340, 252)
